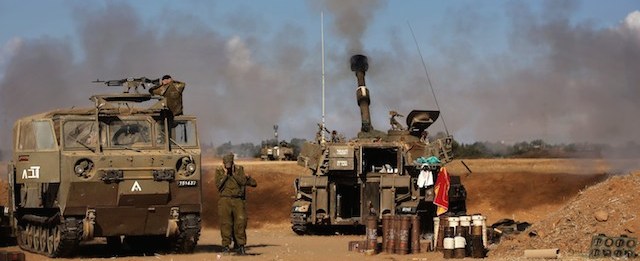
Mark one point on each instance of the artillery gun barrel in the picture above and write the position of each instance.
(359, 65)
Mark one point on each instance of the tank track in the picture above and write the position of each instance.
(301, 229)
(187, 239)
(52, 239)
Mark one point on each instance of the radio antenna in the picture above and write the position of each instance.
(322, 40)
(428, 78)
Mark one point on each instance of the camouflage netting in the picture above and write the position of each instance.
(609, 208)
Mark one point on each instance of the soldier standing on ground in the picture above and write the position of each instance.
(172, 91)
(231, 182)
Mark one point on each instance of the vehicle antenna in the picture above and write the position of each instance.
(428, 78)
(322, 40)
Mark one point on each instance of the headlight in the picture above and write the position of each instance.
(83, 168)
(79, 170)
(186, 166)
(191, 168)
(303, 208)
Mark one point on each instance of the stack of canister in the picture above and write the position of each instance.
(460, 237)
(478, 236)
(400, 234)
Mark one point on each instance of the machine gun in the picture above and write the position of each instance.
(129, 83)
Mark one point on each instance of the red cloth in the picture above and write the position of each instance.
(441, 190)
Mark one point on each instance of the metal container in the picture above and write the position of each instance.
(459, 244)
(372, 233)
(393, 234)
(415, 234)
(448, 244)
(403, 239)
(386, 230)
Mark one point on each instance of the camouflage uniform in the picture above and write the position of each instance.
(231, 205)
(173, 93)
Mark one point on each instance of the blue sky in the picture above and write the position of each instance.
(486, 58)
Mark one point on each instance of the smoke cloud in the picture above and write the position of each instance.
(236, 94)
(555, 80)
(559, 81)
(351, 19)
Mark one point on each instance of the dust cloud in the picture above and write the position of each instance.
(553, 79)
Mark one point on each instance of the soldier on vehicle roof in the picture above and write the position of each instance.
(172, 91)
(232, 182)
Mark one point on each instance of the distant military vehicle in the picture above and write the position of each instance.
(373, 174)
(276, 150)
(124, 167)
(281, 151)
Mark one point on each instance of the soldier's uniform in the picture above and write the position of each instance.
(231, 205)
(173, 93)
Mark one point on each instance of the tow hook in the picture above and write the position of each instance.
(172, 227)
(88, 224)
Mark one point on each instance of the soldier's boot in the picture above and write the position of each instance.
(241, 251)
(226, 250)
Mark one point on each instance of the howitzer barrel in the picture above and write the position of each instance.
(360, 65)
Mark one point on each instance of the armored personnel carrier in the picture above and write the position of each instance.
(372, 174)
(124, 168)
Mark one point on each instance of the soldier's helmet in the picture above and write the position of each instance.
(227, 160)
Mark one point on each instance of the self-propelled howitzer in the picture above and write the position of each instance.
(375, 173)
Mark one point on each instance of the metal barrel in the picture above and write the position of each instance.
(481, 221)
(477, 248)
(397, 226)
(403, 240)
(391, 241)
(448, 243)
(386, 229)
(459, 244)
(372, 233)
(465, 226)
(415, 234)
(477, 242)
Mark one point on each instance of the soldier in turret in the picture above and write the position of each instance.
(395, 125)
(172, 91)
(232, 182)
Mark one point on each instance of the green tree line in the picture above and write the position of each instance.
(537, 148)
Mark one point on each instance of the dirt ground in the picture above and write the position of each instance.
(560, 198)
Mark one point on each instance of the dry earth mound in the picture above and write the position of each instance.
(609, 207)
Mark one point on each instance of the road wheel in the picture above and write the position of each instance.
(300, 229)
(187, 239)
(42, 237)
(22, 237)
(52, 232)
(30, 232)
